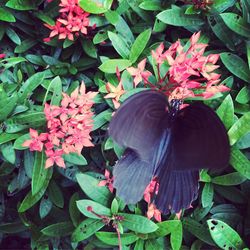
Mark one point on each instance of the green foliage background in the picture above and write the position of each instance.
(46, 209)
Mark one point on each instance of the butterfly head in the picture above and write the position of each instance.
(175, 106)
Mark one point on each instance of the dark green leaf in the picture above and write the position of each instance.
(13, 36)
(55, 194)
(25, 45)
(102, 118)
(236, 66)
(4, 137)
(89, 48)
(14, 227)
(85, 229)
(19, 141)
(236, 23)
(138, 223)
(59, 229)
(30, 200)
(21, 4)
(231, 179)
(151, 5)
(243, 96)
(45, 207)
(112, 238)
(73, 211)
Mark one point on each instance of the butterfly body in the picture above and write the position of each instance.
(170, 144)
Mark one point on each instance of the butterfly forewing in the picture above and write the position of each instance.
(139, 122)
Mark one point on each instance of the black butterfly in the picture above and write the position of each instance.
(168, 143)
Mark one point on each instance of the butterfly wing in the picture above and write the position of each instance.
(131, 177)
(199, 139)
(139, 122)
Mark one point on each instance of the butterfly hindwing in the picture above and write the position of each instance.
(131, 177)
(138, 123)
(199, 139)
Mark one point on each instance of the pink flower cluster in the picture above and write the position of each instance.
(73, 20)
(190, 73)
(68, 127)
(149, 192)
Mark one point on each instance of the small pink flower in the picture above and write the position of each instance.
(115, 93)
(54, 156)
(154, 212)
(36, 141)
(108, 182)
(2, 56)
(139, 73)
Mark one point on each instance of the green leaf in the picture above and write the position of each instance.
(139, 45)
(8, 152)
(30, 200)
(177, 17)
(114, 206)
(59, 229)
(138, 223)
(8, 106)
(110, 66)
(119, 45)
(240, 162)
(39, 175)
(244, 142)
(25, 120)
(20, 140)
(222, 5)
(55, 194)
(45, 207)
(43, 17)
(112, 238)
(85, 205)
(176, 234)
(95, 6)
(243, 96)
(236, 23)
(199, 230)
(236, 66)
(85, 229)
(75, 158)
(231, 179)
(89, 48)
(221, 31)
(151, 5)
(21, 4)
(112, 16)
(6, 16)
(224, 236)
(226, 112)
(101, 119)
(89, 185)
(14, 227)
(56, 87)
(30, 85)
(239, 129)
(12, 61)
(73, 211)
(207, 194)
(4, 137)
(25, 45)
(13, 36)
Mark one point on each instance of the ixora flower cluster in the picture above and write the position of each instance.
(69, 126)
(182, 72)
(73, 20)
